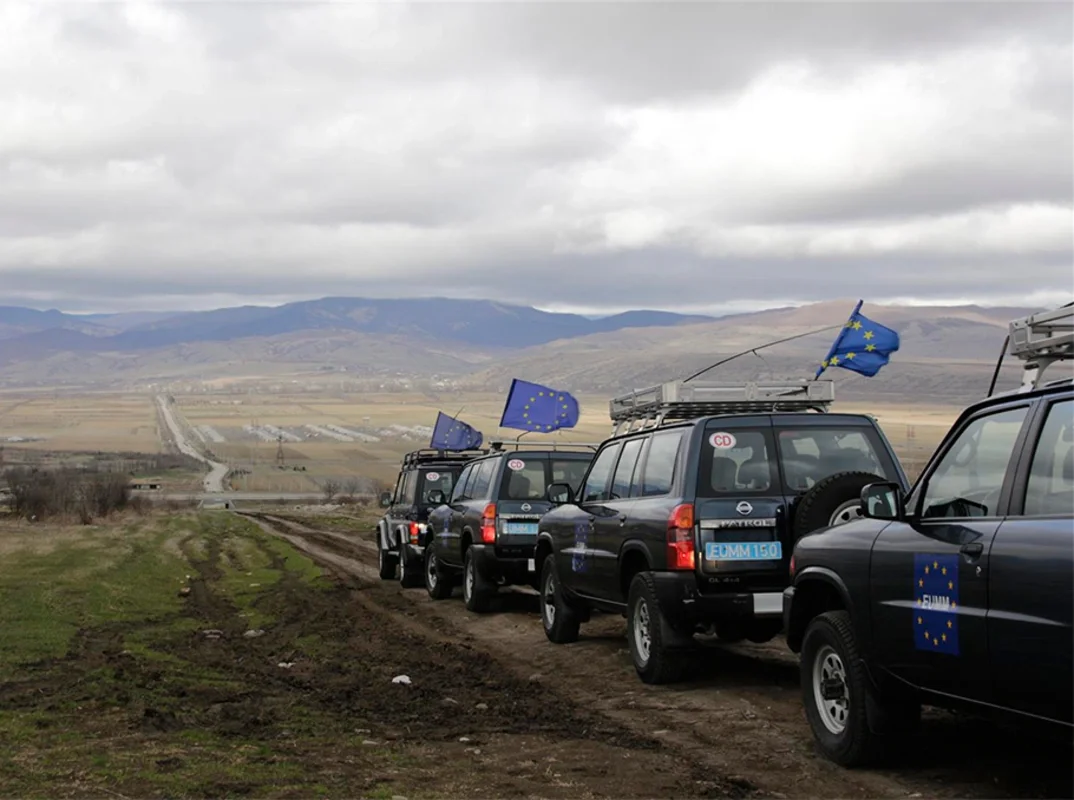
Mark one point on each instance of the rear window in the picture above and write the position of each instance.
(435, 478)
(528, 477)
(743, 461)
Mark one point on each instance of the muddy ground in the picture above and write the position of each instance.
(578, 715)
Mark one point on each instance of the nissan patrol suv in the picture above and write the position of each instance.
(407, 507)
(959, 593)
(686, 519)
(484, 533)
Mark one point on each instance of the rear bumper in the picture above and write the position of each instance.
(680, 600)
(514, 566)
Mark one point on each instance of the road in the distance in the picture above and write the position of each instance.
(214, 481)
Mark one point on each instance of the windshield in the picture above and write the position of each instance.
(528, 477)
(437, 478)
(742, 461)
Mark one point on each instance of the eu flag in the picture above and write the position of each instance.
(532, 407)
(863, 346)
(451, 434)
(936, 603)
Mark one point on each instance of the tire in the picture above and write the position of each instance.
(476, 591)
(409, 578)
(835, 500)
(436, 583)
(856, 728)
(654, 645)
(559, 620)
(386, 563)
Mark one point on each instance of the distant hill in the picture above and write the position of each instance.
(480, 323)
(947, 353)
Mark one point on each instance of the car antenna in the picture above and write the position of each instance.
(761, 347)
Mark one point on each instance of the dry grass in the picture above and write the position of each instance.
(82, 422)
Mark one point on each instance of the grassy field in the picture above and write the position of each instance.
(110, 685)
(326, 437)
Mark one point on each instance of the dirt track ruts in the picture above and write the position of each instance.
(739, 719)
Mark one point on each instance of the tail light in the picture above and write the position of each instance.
(415, 529)
(681, 537)
(488, 524)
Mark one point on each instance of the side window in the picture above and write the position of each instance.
(460, 488)
(969, 476)
(482, 479)
(569, 470)
(397, 495)
(410, 483)
(659, 472)
(596, 483)
(1050, 489)
(624, 470)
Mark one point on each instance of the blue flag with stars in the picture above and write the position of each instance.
(451, 434)
(936, 603)
(532, 407)
(863, 346)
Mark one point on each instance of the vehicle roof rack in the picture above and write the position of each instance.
(1041, 340)
(428, 456)
(518, 444)
(676, 401)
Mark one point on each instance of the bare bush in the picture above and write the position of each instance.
(330, 488)
(37, 493)
(351, 487)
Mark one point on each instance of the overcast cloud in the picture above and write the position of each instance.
(599, 156)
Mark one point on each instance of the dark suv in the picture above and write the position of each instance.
(686, 526)
(398, 532)
(958, 594)
(485, 533)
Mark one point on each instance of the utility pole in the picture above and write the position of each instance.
(279, 451)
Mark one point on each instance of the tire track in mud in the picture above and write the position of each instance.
(738, 717)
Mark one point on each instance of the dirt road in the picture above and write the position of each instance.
(735, 729)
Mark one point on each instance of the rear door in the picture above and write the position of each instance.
(612, 518)
(520, 503)
(449, 538)
(1031, 576)
(742, 511)
(578, 560)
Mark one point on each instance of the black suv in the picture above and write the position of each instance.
(959, 594)
(486, 532)
(398, 532)
(686, 526)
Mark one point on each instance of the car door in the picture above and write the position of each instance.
(1031, 575)
(450, 537)
(929, 574)
(575, 561)
(612, 520)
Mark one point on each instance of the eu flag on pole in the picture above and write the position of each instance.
(936, 603)
(533, 407)
(451, 434)
(863, 346)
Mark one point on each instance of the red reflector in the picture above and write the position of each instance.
(792, 566)
(488, 524)
(680, 541)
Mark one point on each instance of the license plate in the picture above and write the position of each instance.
(531, 565)
(743, 551)
(520, 527)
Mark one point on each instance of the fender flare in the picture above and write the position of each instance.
(796, 621)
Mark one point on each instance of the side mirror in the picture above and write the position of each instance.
(385, 499)
(883, 501)
(560, 494)
(436, 497)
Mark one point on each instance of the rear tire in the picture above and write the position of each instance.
(559, 620)
(436, 583)
(655, 646)
(386, 563)
(847, 723)
(476, 591)
(409, 577)
(835, 500)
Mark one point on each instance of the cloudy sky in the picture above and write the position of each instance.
(577, 156)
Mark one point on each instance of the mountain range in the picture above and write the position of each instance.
(947, 352)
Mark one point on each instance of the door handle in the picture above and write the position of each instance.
(972, 549)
